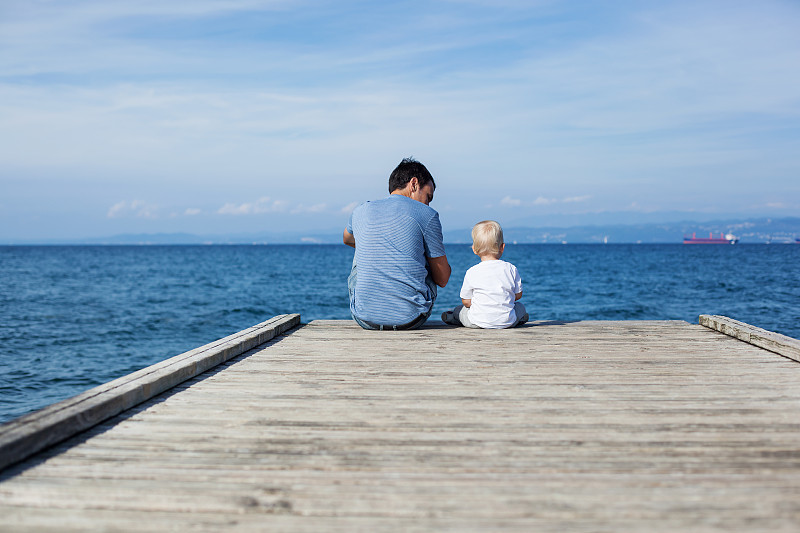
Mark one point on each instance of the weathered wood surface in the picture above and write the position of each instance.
(587, 426)
(769, 340)
(29, 434)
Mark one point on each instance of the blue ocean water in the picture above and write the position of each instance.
(73, 317)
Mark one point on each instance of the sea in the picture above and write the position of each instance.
(74, 317)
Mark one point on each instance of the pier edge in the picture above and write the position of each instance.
(29, 434)
(769, 340)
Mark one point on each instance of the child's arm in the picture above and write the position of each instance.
(518, 296)
(466, 301)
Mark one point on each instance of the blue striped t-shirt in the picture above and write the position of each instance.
(393, 237)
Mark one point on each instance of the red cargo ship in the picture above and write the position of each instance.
(722, 239)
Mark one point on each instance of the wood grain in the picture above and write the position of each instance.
(769, 340)
(584, 426)
(29, 434)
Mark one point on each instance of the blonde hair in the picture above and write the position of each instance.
(487, 238)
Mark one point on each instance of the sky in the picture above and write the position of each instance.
(240, 116)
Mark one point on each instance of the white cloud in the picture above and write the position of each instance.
(262, 205)
(573, 199)
(233, 209)
(513, 202)
(192, 211)
(317, 208)
(541, 200)
(117, 210)
(134, 208)
(349, 208)
(639, 208)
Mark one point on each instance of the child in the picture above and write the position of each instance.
(491, 288)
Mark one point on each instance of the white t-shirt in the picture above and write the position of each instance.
(492, 286)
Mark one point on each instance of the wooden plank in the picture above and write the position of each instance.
(29, 434)
(588, 426)
(769, 340)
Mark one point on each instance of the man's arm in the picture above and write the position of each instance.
(440, 269)
(350, 240)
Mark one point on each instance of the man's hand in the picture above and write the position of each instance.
(440, 269)
(348, 238)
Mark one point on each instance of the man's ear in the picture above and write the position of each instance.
(414, 182)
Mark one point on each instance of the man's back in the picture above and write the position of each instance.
(393, 237)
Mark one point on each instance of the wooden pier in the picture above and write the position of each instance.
(584, 426)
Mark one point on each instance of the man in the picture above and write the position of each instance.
(399, 259)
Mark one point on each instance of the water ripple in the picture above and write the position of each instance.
(74, 317)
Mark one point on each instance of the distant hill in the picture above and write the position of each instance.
(761, 230)
(756, 230)
(156, 239)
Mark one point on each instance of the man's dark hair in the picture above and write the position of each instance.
(407, 169)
